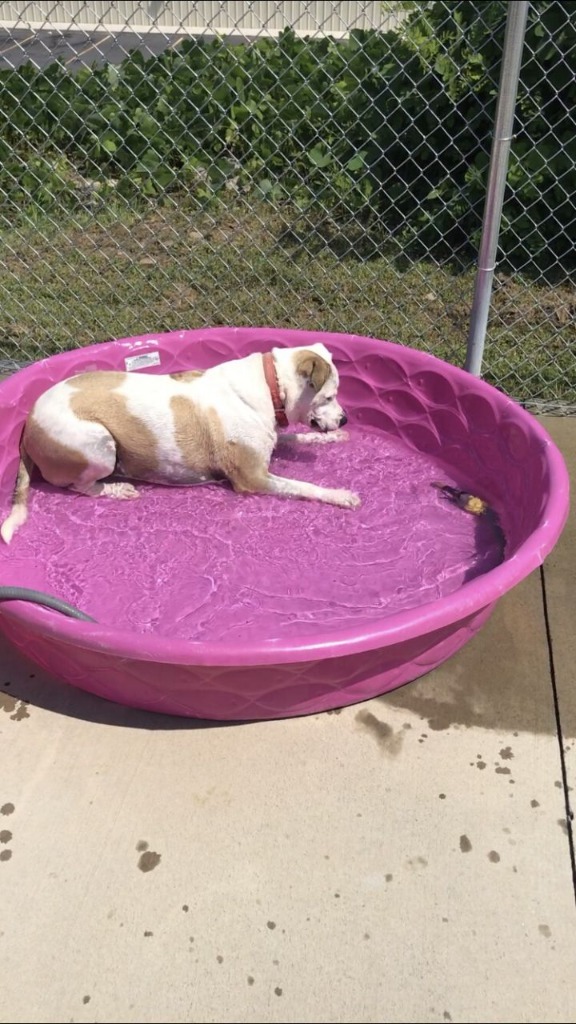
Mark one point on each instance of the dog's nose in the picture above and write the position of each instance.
(343, 420)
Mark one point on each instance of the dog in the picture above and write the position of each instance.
(180, 429)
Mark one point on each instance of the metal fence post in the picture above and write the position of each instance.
(503, 134)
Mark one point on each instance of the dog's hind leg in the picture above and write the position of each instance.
(102, 464)
(98, 489)
(84, 469)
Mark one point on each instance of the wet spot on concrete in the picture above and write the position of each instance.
(558, 784)
(506, 753)
(534, 803)
(446, 1015)
(389, 877)
(544, 930)
(445, 920)
(5, 854)
(149, 860)
(85, 999)
(147, 935)
(442, 796)
(465, 844)
(406, 725)
(388, 740)
(336, 895)
(17, 709)
(7, 809)
(250, 979)
(438, 714)
(416, 862)
(21, 712)
(277, 991)
(366, 935)
(220, 958)
(493, 856)
(561, 821)
(481, 765)
(276, 963)
(141, 845)
(5, 836)
(503, 771)
(185, 908)
(271, 925)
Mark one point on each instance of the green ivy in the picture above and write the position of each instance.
(391, 128)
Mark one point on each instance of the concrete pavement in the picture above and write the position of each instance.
(408, 859)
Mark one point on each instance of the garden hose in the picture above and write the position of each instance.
(37, 597)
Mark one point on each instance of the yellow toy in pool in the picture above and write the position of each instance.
(468, 502)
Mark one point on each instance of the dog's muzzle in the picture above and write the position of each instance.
(318, 426)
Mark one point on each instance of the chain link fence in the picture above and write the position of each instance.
(312, 165)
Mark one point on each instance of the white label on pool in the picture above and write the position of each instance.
(146, 359)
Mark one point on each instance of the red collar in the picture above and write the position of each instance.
(272, 382)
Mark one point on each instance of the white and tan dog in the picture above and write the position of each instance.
(182, 428)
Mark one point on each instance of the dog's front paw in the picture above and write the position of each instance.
(337, 435)
(347, 499)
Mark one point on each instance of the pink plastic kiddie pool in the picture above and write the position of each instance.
(214, 605)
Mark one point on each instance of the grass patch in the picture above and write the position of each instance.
(70, 281)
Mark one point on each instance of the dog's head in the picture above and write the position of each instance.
(315, 397)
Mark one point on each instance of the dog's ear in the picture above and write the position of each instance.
(314, 368)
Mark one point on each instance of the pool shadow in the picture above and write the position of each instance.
(490, 546)
(24, 686)
(296, 453)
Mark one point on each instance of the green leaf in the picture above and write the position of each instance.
(358, 161)
(318, 157)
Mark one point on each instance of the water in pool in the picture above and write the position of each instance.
(205, 564)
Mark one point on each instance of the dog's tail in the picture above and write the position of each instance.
(19, 511)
